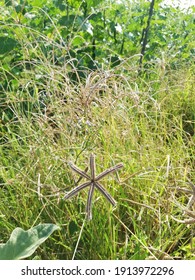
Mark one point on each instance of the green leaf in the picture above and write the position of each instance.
(93, 3)
(70, 20)
(60, 4)
(7, 44)
(22, 244)
(78, 41)
(73, 227)
(96, 16)
(115, 60)
(8, 3)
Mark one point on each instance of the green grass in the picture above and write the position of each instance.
(145, 122)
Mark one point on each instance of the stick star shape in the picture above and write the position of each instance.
(93, 182)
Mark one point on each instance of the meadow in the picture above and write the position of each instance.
(144, 120)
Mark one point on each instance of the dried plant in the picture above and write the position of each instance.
(192, 198)
(186, 210)
(93, 181)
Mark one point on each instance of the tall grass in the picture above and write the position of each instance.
(147, 122)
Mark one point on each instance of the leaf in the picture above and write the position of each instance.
(93, 3)
(22, 244)
(7, 44)
(77, 41)
(73, 227)
(88, 27)
(115, 60)
(60, 4)
(70, 20)
(8, 3)
(118, 28)
(95, 16)
(29, 15)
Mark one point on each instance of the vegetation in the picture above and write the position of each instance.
(22, 244)
(72, 85)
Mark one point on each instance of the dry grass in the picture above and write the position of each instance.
(145, 122)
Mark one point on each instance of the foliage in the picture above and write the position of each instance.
(81, 35)
(96, 32)
(22, 244)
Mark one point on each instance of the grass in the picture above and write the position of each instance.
(145, 122)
